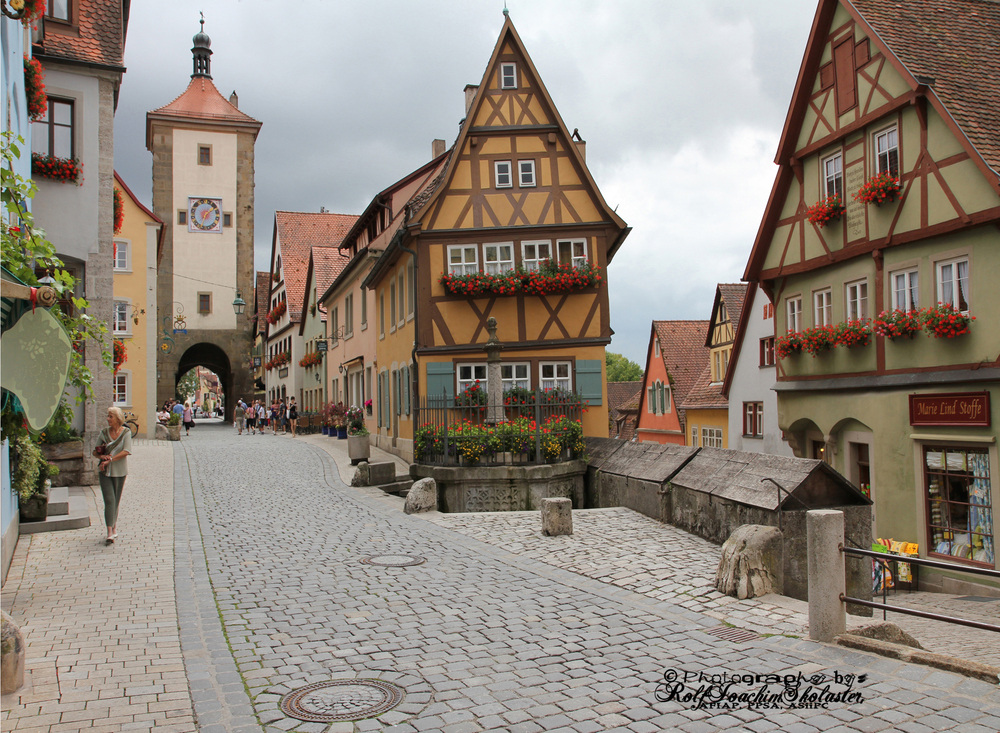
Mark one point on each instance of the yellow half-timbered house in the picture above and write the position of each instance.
(513, 228)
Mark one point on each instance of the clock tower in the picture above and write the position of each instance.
(203, 189)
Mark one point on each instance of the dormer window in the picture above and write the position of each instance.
(508, 76)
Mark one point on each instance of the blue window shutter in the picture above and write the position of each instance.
(588, 380)
(440, 383)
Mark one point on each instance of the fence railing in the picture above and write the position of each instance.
(532, 428)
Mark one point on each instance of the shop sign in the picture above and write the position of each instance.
(961, 409)
(283, 372)
(256, 362)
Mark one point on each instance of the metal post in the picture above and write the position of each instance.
(827, 579)
(538, 427)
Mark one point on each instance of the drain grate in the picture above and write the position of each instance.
(731, 633)
(338, 700)
(393, 561)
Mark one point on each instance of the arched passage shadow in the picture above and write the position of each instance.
(211, 357)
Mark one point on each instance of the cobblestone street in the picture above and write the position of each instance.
(496, 629)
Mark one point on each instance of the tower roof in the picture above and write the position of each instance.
(201, 102)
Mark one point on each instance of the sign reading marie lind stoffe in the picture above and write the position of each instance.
(962, 409)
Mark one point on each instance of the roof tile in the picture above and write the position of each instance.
(100, 38)
(682, 347)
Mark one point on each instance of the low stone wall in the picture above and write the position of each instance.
(606, 490)
(69, 457)
(504, 488)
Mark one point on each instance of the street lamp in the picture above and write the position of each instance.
(239, 305)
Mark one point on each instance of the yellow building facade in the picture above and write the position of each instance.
(137, 244)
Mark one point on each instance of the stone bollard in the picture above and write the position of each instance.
(422, 497)
(361, 475)
(752, 562)
(11, 656)
(557, 517)
(824, 539)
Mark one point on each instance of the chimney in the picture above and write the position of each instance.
(437, 148)
(581, 144)
(470, 94)
(234, 100)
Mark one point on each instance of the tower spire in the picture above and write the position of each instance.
(202, 52)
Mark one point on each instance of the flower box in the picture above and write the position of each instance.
(818, 339)
(790, 343)
(854, 333)
(548, 278)
(64, 170)
(879, 189)
(944, 321)
(825, 211)
(34, 87)
(897, 324)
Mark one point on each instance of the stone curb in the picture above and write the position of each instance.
(976, 670)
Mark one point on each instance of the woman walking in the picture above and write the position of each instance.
(293, 415)
(188, 418)
(112, 452)
(250, 415)
(274, 417)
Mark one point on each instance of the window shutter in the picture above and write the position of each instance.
(588, 380)
(440, 383)
(379, 399)
(405, 388)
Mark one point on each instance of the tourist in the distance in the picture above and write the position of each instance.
(113, 448)
(250, 415)
(293, 415)
(188, 418)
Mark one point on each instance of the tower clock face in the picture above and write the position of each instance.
(205, 215)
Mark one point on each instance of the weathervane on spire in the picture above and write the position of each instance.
(202, 14)
(505, 11)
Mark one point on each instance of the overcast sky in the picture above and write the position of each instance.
(681, 105)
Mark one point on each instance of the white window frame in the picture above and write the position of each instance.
(651, 399)
(392, 304)
(694, 436)
(823, 307)
(555, 380)
(711, 437)
(464, 266)
(533, 262)
(856, 300)
(508, 75)
(498, 258)
(122, 379)
(503, 175)
(577, 251)
(123, 264)
(468, 374)
(364, 308)
(904, 286)
(833, 175)
(119, 317)
(526, 174)
(793, 313)
(511, 375)
(885, 143)
(954, 282)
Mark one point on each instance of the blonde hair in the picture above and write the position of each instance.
(119, 415)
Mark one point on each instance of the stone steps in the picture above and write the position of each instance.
(68, 509)
(400, 487)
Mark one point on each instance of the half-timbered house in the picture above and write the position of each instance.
(879, 244)
(514, 228)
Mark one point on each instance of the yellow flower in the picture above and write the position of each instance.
(17, 4)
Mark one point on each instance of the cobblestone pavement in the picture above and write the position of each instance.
(664, 563)
(103, 652)
(274, 595)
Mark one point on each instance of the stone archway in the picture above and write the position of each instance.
(214, 358)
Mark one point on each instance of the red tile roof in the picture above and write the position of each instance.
(734, 295)
(298, 232)
(201, 100)
(99, 37)
(263, 293)
(682, 347)
(704, 394)
(957, 43)
(623, 408)
(328, 263)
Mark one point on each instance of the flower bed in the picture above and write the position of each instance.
(549, 278)
(558, 436)
(944, 321)
(65, 170)
(897, 323)
(34, 88)
(879, 189)
(825, 211)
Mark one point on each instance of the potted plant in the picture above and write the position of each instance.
(944, 321)
(897, 323)
(358, 445)
(854, 333)
(826, 210)
(30, 479)
(879, 189)
(174, 426)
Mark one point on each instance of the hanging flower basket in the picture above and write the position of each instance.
(34, 87)
(790, 343)
(944, 321)
(27, 11)
(65, 170)
(119, 211)
(120, 355)
(823, 212)
(897, 324)
(854, 333)
(818, 339)
(879, 189)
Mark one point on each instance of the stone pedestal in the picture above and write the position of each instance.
(557, 517)
(824, 536)
(751, 563)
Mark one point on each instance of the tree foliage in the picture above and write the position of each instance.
(621, 369)
(187, 386)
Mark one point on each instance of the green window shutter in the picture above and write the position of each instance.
(379, 400)
(440, 383)
(588, 380)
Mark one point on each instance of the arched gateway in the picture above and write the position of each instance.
(203, 186)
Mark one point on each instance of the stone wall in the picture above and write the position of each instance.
(504, 488)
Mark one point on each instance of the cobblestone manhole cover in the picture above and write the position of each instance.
(328, 702)
(730, 633)
(393, 561)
